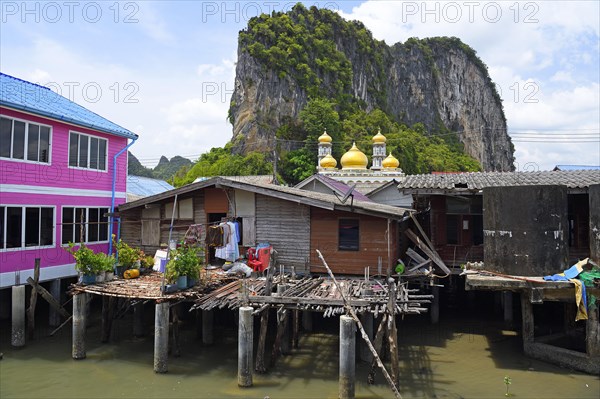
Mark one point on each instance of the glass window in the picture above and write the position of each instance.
(2, 210)
(44, 144)
(87, 151)
(33, 139)
(26, 226)
(18, 140)
(90, 221)
(73, 149)
(5, 137)
(14, 226)
(83, 151)
(93, 225)
(93, 153)
(67, 225)
(47, 226)
(32, 227)
(348, 235)
(24, 140)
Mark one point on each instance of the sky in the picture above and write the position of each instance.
(165, 70)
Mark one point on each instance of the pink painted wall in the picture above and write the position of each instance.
(58, 173)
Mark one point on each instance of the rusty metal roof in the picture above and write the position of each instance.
(475, 181)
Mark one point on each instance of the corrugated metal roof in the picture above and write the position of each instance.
(473, 181)
(145, 186)
(29, 97)
(340, 187)
(311, 198)
(576, 167)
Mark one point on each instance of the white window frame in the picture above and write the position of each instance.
(12, 133)
(86, 223)
(89, 136)
(23, 223)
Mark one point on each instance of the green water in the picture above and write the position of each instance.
(460, 357)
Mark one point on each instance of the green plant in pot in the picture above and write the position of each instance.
(127, 257)
(184, 264)
(86, 262)
(106, 264)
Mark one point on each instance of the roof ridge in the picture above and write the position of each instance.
(25, 81)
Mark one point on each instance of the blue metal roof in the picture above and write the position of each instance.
(29, 97)
(145, 186)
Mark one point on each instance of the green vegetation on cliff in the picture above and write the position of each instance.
(302, 46)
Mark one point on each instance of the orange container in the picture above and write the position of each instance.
(131, 273)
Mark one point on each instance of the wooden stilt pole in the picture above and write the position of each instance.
(286, 339)
(392, 332)
(138, 319)
(377, 344)
(208, 317)
(176, 336)
(307, 320)
(54, 316)
(106, 318)
(262, 340)
(33, 300)
(296, 332)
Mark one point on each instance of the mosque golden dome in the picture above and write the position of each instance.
(328, 162)
(354, 159)
(324, 138)
(390, 162)
(379, 138)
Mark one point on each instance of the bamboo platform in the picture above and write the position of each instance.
(219, 291)
(148, 287)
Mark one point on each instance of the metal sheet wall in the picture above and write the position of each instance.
(286, 226)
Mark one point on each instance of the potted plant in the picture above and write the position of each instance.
(127, 257)
(86, 262)
(183, 265)
(146, 262)
(107, 264)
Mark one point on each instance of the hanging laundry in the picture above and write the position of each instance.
(214, 236)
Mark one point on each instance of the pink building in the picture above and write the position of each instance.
(63, 168)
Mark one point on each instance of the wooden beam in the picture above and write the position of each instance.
(48, 297)
(429, 252)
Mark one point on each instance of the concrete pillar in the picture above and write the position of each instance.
(365, 354)
(347, 357)
(18, 316)
(281, 288)
(79, 313)
(245, 346)
(161, 337)
(507, 303)
(592, 333)
(434, 313)
(54, 317)
(138, 319)
(208, 318)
